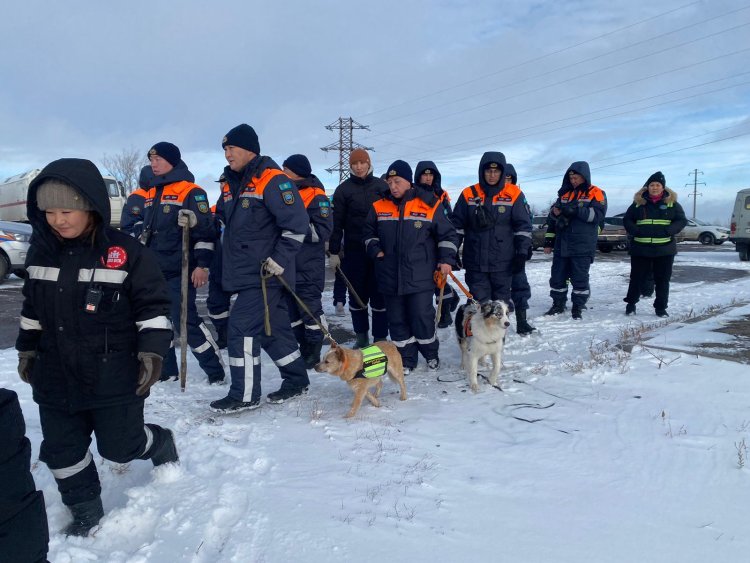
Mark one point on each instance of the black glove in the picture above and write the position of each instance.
(26, 365)
(569, 211)
(562, 222)
(150, 371)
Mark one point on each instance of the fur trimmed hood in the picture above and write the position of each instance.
(640, 197)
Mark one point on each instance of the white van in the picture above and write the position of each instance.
(740, 226)
(13, 197)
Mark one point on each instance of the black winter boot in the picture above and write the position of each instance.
(630, 309)
(166, 452)
(86, 515)
(577, 312)
(557, 308)
(363, 340)
(312, 354)
(522, 325)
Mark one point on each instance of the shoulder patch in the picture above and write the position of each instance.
(201, 197)
(135, 210)
(286, 186)
(324, 211)
(288, 197)
(203, 206)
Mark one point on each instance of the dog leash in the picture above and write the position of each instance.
(301, 303)
(461, 286)
(440, 280)
(351, 288)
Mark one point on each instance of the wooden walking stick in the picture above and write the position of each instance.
(183, 304)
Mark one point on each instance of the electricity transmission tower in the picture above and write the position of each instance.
(695, 193)
(345, 144)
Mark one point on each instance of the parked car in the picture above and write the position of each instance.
(14, 245)
(613, 235)
(538, 231)
(703, 232)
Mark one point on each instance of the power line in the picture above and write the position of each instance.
(589, 93)
(529, 61)
(575, 64)
(576, 78)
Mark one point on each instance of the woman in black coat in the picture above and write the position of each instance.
(653, 220)
(94, 330)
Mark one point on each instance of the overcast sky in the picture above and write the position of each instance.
(632, 87)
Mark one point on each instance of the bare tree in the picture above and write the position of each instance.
(125, 166)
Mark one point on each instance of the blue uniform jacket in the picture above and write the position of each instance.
(264, 216)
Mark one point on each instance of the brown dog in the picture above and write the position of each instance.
(348, 365)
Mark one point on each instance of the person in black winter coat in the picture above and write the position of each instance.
(24, 535)
(409, 236)
(427, 177)
(653, 220)
(351, 203)
(310, 260)
(94, 330)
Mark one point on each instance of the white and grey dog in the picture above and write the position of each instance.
(481, 331)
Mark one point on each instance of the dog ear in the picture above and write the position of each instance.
(339, 353)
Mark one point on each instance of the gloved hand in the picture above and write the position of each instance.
(569, 211)
(271, 267)
(150, 371)
(334, 260)
(562, 222)
(186, 217)
(26, 364)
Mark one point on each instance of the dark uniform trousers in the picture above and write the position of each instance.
(520, 290)
(199, 338)
(121, 437)
(449, 294)
(306, 329)
(490, 286)
(411, 322)
(641, 268)
(218, 300)
(246, 338)
(339, 286)
(575, 269)
(23, 520)
(360, 271)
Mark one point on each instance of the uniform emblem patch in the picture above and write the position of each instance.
(288, 197)
(135, 210)
(417, 224)
(200, 197)
(203, 207)
(501, 209)
(245, 202)
(116, 257)
(167, 209)
(324, 211)
(285, 186)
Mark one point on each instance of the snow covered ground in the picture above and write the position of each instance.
(589, 453)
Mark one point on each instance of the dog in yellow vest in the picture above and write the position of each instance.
(363, 369)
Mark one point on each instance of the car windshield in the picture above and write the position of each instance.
(701, 223)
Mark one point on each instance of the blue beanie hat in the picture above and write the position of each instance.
(401, 169)
(298, 164)
(242, 136)
(167, 151)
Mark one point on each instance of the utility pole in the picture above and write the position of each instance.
(345, 144)
(695, 193)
